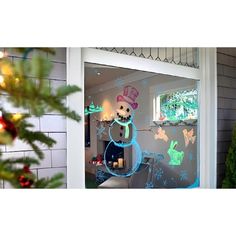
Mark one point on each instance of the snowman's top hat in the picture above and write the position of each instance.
(129, 95)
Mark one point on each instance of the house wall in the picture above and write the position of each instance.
(226, 78)
(53, 124)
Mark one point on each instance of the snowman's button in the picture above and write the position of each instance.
(121, 127)
(121, 134)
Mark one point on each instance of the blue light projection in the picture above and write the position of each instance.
(165, 182)
(100, 176)
(100, 130)
(155, 155)
(123, 144)
(159, 173)
(183, 175)
(144, 82)
(135, 166)
(190, 156)
(149, 185)
(119, 83)
(132, 142)
(196, 184)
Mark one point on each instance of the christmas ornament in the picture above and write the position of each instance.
(8, 131)
(26, 179)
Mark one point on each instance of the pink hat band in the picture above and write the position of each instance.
(121, 98)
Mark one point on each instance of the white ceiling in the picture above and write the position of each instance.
(108, 74)
(96, 83)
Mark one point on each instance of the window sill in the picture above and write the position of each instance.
(190, 122)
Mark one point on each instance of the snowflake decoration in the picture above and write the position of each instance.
(100, 130)
(149, 185)
(149, 169)
(190, 156)
(183, 175)
(159, 174)
(165, 182)
(119, 83)
(144, 82)
(100, 176)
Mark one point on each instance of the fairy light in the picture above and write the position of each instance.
(16, 116)
(1, 79)
(17, 80)
(1, 54)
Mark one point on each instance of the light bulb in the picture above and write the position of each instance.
(2, 54)
(1, 79)
(17, 116)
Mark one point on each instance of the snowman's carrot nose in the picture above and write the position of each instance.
(123, 113)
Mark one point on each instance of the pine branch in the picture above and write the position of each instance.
(26, 86)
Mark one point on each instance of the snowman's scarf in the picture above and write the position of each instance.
(126, 125)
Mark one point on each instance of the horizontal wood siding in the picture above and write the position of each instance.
(226, 79)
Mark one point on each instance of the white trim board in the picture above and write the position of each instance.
(208, 118)
(142, 64)
(75, 130)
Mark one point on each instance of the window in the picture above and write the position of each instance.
(178, 105)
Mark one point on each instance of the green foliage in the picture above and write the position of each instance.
(179, 105)
(230, 172)
(26, 86)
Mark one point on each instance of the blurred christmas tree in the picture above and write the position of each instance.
(230, 163)
(23, 83)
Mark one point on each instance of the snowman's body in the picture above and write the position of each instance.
(123, 133)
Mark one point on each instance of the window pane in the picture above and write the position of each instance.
(128, 145)
(180, 105)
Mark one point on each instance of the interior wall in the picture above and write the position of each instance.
(142, 120)
(53, 124)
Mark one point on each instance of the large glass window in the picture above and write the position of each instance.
(142, 129)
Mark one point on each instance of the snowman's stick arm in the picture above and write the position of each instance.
(150, 130)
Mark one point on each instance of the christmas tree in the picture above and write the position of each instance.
(23, 83)
(230, 163)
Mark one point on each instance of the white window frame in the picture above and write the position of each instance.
(76, 57)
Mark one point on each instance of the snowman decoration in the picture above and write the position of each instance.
(122, 131)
